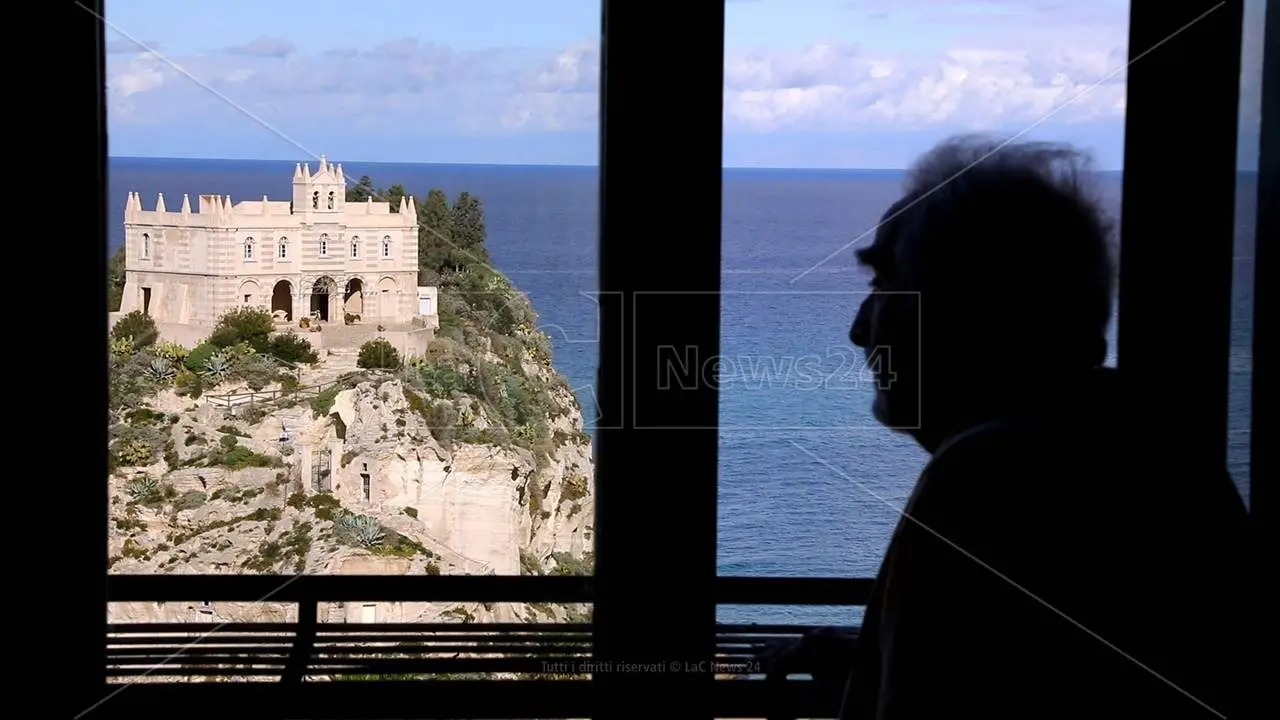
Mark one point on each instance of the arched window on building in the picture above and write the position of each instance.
(315, 200)
(324, 245)
(282, 249)
(330, 199)
(146, 245)
(355, 246)
(248, 248)
(386, 246)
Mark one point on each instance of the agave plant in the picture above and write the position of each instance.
(161, 369)
(217, 367)
(143, 488)
(362, 530)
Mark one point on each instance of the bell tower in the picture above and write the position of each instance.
(322, 192)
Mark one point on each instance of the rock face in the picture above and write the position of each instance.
(358, 483)
(486, 504)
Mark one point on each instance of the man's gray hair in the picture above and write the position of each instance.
(986, 216)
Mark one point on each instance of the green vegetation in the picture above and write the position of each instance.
(322, 403)
(292, 548)
(481, 315)
(136, 328)
(236, 350)
(115, 279)
(567, 564)
(379, 354)
(325, 506)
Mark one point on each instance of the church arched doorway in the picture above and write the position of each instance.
(282, 301)
(323, 298)
(353, 298)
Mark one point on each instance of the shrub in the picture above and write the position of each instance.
(567, 564)
(291, 347)
(322, 403)
(377, 354)
(188, 384)
(189, 500)
(256, 371)
(240, 457)
(441, 420)
(249, 325)
(198, 357)
(441, 381)
(128, 380)
(170, 351)
(138, 327)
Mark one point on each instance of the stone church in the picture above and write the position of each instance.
(316, 256)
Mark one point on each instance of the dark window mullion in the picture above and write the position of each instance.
(660, 167)
(1177, 228)
(1262, 470)
(83, 78)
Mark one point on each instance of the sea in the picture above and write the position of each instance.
(809, 485)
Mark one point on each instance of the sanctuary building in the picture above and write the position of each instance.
(316, 257)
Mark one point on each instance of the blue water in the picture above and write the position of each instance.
(808, 484)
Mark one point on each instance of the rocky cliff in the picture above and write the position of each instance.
(471, 460)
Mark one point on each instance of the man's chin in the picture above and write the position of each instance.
(889, 413)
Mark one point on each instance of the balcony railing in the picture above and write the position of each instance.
(391, 669)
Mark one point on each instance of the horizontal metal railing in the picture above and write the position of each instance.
(458, 588)
(541, 667)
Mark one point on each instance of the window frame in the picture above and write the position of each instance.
(636, 618)
(1263, 405)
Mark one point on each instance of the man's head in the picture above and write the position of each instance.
(992, 277)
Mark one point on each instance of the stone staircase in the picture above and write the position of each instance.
(334, 363)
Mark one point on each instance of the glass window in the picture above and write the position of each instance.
(478, 462)
(824, 109)
(1240, 388)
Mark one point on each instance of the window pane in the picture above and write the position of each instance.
(351, 276)
(825, 105)
(1238, 418)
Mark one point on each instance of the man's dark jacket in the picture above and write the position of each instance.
(1077, 559)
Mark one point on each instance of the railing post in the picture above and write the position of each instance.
(303, 644)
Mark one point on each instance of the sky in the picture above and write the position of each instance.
(808, 83)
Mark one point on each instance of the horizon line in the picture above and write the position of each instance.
(527, 165)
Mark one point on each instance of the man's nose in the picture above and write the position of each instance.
(860, 333)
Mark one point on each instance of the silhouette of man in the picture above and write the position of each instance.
(1063, 554)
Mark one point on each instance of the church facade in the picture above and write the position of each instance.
(315, 256)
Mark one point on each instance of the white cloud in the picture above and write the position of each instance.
(138, 75)
(828, 88)
(983, 82)
(441, 90)
(264, 47)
